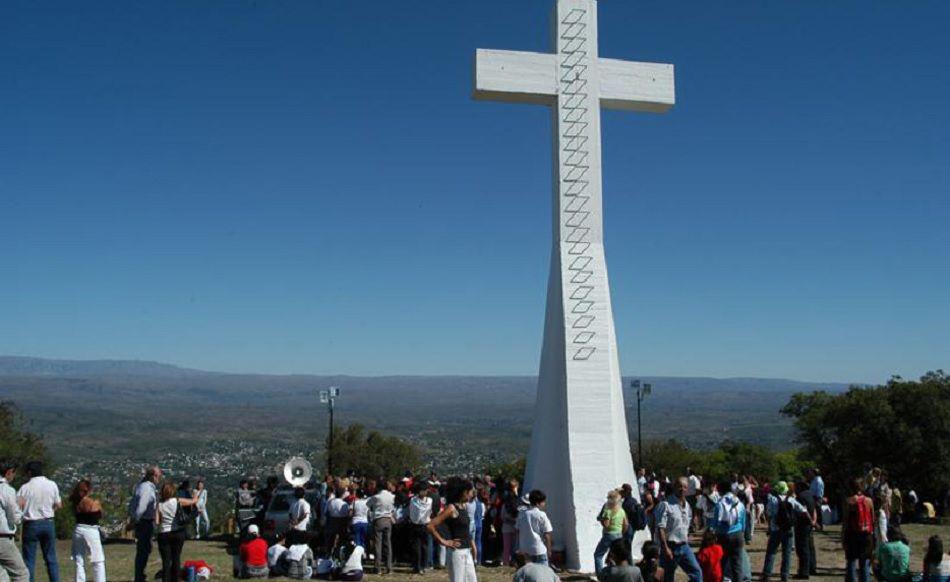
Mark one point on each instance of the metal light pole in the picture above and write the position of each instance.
(329, 397)
(643, 390)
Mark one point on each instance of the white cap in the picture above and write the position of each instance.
(253, 530)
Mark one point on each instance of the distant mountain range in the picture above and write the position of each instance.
(55, 368)
(95, 410)
(27, 366)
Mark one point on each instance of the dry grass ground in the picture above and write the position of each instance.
(119, 557)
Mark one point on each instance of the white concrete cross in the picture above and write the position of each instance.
(579, 443)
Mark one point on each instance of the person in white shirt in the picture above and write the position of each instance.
(39, 498)
(299, 511)
(11, 561)
(202, 523)
(171, 531)
(338, 518)
(535, 530)
(382, 506)
(673, 518)
(641, 480)
(694, 487)
(352, 570)
(706, 504)
(359, 514)
(299, 561)
(420, 512)
(880, 525)
(274, 553)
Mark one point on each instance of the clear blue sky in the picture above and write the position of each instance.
(306, 186)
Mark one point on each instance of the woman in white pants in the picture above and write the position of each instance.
(462, 554)
(87, 542)
(202, 523)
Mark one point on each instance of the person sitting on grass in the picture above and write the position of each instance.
(892, 559)
(530, 571)
(298, 559)
(274, 553)
(352, 569)
(936, 562)
(619, 568)
(254, 555)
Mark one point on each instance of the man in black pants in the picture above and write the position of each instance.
(804, 527)
(142, 518)
(420, 512)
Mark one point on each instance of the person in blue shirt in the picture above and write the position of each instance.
(142, 518)
(816, 484)
(729, 519)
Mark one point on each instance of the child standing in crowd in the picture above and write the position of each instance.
(710, 557)
(359, 512)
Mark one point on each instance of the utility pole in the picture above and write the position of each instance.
(329, 397)
(643, 390)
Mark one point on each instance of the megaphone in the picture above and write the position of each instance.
(297, 471)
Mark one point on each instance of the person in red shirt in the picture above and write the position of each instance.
(254, 555)
(710, 557)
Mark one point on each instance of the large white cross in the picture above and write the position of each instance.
(579, 443)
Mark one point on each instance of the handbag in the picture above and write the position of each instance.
(181, 518)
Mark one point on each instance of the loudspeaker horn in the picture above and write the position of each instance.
(297, 471)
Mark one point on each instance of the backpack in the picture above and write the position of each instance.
(784, 518)
(859, 515)
(636, 515)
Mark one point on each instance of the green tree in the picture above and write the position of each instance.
(501, 471)
(17, 442)
(902, 427)
(372, 453)
(669, 457)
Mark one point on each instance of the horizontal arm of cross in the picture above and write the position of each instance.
(523, 77)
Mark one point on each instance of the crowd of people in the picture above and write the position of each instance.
(427, 523)
(475, 521)
(728, 512)
(330, 527)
